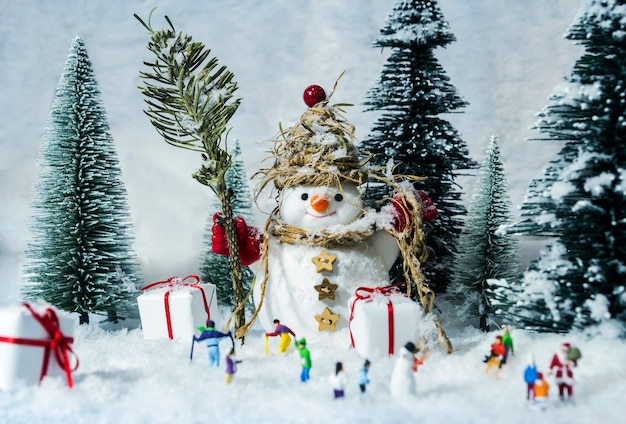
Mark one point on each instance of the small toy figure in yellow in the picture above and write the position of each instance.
(507, 341)
(541, 391)
(283, 331)
(231, 366)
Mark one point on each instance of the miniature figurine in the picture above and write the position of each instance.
(284, 332)
(494, 359)
(212, 337)
(530, 376)
(541, 387)
(564, 376)
(338, 381)
(363, 377)
(403, 377)
(507, 341)
(231, 366)
(305, 357)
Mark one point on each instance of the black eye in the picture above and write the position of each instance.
(304, 196)
(339, 197)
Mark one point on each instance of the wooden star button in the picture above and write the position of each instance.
(326, 290)
(324, 261)
(327, 320)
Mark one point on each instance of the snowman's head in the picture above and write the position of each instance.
(312, 207)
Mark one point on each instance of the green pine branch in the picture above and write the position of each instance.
(190, 101)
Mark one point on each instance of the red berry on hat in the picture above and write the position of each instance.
(313, 94)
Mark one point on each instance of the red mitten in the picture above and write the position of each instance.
(248, 239)
(429, 210)
(403, 212)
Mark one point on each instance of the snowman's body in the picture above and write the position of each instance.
(290, 294)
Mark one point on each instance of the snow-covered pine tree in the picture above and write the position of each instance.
(580, 200)
(215, 268)
(80, 258)
(411, 92)
(485, 252)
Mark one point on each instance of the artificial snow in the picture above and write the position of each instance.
(123, 378)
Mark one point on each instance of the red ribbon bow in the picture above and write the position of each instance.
(173, 282)
(365, 293)
(58, 343)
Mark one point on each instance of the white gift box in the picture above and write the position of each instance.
(382, 320)
(30, 344)
(176, 307)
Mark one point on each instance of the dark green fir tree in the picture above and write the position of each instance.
(81, 258)
(410, 95)
(485, 251)
(580, 200)
(215, 268)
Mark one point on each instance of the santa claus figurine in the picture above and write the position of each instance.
(561, 366)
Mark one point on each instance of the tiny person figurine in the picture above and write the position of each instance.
(338, 380)
(231, 366)
(541, 391)
(530, 376)
(563, 375)
(363, 377)
(284, 332)
(507, 341)
(494, 359)
(305, 358)
(212, 337)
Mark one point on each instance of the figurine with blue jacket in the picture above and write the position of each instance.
(363, 377)
(211, 337)
(530, 377)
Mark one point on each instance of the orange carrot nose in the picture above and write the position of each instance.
(319, 203)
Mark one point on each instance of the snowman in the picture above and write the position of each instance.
(321, 242)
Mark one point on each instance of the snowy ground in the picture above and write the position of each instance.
(125, 379)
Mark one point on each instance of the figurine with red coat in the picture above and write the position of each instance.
(498, 350)
(496, 356)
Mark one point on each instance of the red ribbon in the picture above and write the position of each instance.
(367, 295)
(58, 344)
(173, 282)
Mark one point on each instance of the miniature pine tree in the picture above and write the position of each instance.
(215, 268)
(411, 93)
(581, 199)
(190, 102)
(485, 252)
(80, 258)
